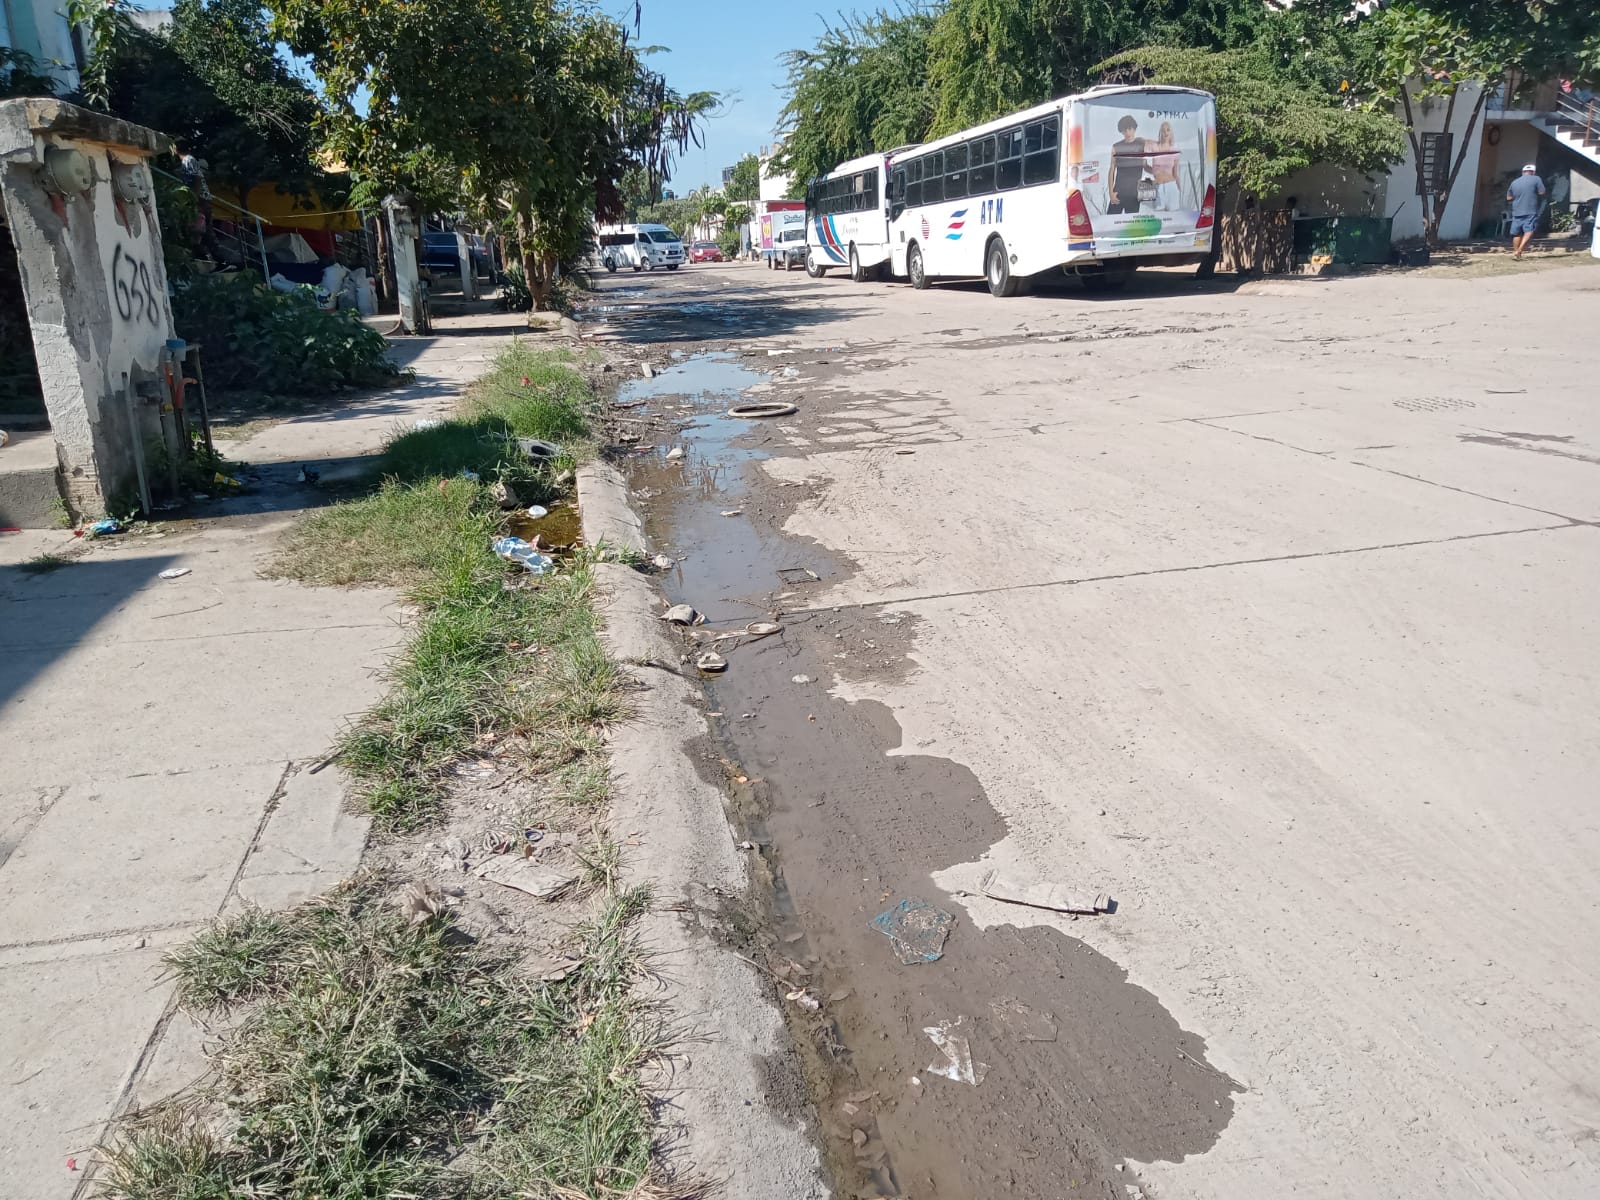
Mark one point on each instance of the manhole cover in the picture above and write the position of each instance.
(1433, 404)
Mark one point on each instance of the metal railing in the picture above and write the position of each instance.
(245, 244)
(1569, 110)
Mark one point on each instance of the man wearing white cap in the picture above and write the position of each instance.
(1526, 194)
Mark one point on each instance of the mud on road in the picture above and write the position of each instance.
(1078, 1072)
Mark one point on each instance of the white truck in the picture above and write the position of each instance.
(770, 222)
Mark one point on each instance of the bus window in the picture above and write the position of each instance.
(913, 193)
(897, 193)
(980, 166)
(933, 177)
(1042, 152)
(1008, 170)
(955, 172)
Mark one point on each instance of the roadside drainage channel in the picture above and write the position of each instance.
(1066, 1069)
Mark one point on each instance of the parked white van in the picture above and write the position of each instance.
(642, 247)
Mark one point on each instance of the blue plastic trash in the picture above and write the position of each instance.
(916, 930)
(104, 526)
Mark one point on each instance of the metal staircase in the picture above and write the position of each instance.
(1575, 124)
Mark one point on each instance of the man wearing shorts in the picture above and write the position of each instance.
(1526, 194)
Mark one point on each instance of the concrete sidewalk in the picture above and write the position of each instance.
(157, 737)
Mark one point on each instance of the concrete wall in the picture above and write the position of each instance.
(773, 186)
(95, 283)
(1325, 190)
(1401, 200)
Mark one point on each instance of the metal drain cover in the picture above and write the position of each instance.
(1433, 404)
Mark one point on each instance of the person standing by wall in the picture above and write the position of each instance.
(193, 173)
(1526, 196)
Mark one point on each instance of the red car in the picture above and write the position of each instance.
(705, 252)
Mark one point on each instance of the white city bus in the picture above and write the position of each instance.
(1095, 184)
(847, 217)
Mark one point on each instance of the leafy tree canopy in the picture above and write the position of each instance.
(1268, 127)
(214, 79)
(745, 183)
(866, 85)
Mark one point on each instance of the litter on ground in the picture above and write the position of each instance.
(175, 572)
(951, 1037)
(517, 550)
(769, 408)
(525, 875)
(683, 614)
(916, 929)
(1037, 894)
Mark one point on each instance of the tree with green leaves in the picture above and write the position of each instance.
(1268, 127)
(536, 121)
(865, 86)
(1433, 52)
(991, 57)
(745, 182)
(214, 79)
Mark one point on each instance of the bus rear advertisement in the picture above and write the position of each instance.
(1093, 184)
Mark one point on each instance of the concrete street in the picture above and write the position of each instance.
(1274, 612)
(157, 739)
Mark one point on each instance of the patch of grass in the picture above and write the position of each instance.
(484, 660)
(398, 535)
(553, 404)
(376, 1048)
(232, 960)
(43, 564)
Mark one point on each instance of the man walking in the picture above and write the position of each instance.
(1526, 194)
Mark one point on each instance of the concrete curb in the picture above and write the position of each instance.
(720, 1122)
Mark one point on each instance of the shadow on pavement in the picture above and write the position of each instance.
(45, 615)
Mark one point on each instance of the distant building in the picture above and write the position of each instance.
(774, 185)
(727, 177)
(42, 30)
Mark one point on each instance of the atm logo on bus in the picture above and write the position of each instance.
(992, 212)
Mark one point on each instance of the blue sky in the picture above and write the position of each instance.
(727, 49)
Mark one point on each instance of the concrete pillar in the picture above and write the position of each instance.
(79, 200)
(403, 234)
(469, 282)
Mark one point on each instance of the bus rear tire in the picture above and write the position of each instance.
(997, 271)
(914, 268)
(857, 273)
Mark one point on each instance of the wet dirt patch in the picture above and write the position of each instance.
(1082, 1070)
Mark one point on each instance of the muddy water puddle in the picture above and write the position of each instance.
(1074, 1070)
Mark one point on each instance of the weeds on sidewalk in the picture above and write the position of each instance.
(375, 1056)
(491, 655)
